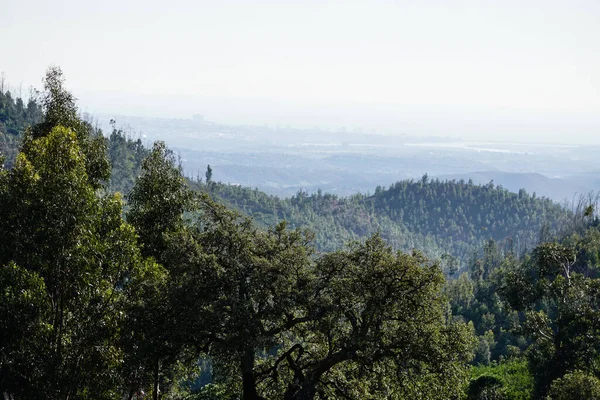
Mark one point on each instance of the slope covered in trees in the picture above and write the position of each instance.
(437, 217)
(180, 297)
(536, 316)
(15, 117)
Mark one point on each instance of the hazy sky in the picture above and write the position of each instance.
(289, 61)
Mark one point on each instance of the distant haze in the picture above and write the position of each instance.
(493, 70)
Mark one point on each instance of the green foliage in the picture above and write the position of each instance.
(257, 285)
(24, 313)
(82, 251)
(485, 387)
(275, 321)
(214, 392)
(437, 217)
(126, 157)
(576, 385)
(158, 200)
(55, 107)
(474, 297)
(15, 118)
(560, 307)
(157, 205)
(507, 380)
(76, 261)
(59, 109)
(381, 331)
(208, 174)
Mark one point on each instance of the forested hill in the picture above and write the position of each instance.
(437, 217)
(15, 117)
(462, 211)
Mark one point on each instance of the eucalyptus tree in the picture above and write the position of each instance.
(67, 259)
(60, 109)
(157, 204)
(83, 256)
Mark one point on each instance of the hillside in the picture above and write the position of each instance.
(434, 216)
(15, 117)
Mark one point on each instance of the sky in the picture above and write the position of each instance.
(499, 69)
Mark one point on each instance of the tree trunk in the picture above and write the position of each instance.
(248, 379)
(156, 384)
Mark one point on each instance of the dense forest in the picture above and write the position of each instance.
(15, 117)
(437, 217)
(121, 279)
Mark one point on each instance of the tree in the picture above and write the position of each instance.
(14, 120)
(68, 261)
(53, 223)
(381, 332)
(255, 287)
(158, 201)
(280, 326)
(126, 157)
(561, 310)
(232, 289)
(208, 174)
(23, 315)
(60, 109)
(486, 387)
(575, 385)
